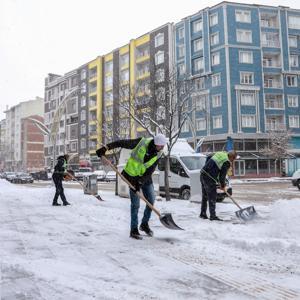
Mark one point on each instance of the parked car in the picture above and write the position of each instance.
(83, 172)
(22, 178)
(296, 179)
(9, 176)
(111, 176)
(101, 174)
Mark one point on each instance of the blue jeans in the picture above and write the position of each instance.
(148, 191)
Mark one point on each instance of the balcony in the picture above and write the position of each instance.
(273, 101)
(275, 126)
(270, 43)
(271, 61)
(269, 20)
(272, 82)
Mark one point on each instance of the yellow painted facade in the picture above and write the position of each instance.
(97, 63)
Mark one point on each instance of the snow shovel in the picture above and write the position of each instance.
(245, 214)
(166, 218)
(98, 197)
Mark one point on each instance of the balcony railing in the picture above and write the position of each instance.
(270, 43)
(275, 126)
(271, 83)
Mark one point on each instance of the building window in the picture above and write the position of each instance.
(214, 39)
(83, 143)
(294, 121)
(124, 60)
(294, 61)
(217, 122)
(159, 39)
(200, 124)
(248, 99)
(124, 76)
(198, 64)
(83, 74)
(83, 101)
(159, 57)
(74, 146)
(197, 25)
(181, 69)
(185, 126)
(274, 101)
(293, 41)
(198, 45)
(108, 66)
(83, 129)
(180, 51)
(292, 101)
(216, 80)
(246, 78)
(243, 16)
(216, 100)
(246, 57)
(83, 87)
(181, 33)
(248, 121)
(215, 58)
(199, 84)
(244, 36)
(199, 102)
(291, 80)
(213, 19)
(294, 22)
(160, 75)
(83, 115)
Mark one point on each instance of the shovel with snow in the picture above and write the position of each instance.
(166, 218)
(245, 214)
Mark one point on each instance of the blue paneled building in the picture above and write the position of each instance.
(244, 62)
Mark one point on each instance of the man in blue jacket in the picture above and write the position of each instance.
(214, 171)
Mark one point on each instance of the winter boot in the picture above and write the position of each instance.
(134, 233)
(66, 203)
(215, 218)
(203, 216)
(55, 204)
(145, 227)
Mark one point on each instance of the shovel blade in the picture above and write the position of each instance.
(167, 220)
(246, 214)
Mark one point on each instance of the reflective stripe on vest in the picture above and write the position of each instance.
(220, 158)
(135, 165)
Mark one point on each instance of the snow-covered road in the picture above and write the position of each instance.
(83, 251)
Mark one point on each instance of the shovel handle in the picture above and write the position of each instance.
(131, 186)
(232, 200)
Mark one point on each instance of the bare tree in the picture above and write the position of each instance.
(278, 145)
(161, 105)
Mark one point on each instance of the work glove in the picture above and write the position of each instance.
(101, 151)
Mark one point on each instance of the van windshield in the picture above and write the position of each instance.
(193, 162)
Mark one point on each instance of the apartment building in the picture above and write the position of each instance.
(13, 131)
(244, 61)
(96, 113)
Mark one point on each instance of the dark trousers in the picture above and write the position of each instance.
(209, 194)
(59, 190)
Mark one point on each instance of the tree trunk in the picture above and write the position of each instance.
(167, 185)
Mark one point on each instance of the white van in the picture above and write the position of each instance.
(185, 167)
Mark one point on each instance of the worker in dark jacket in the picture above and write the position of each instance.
(213, 172)
(138, 171)
(58, 176)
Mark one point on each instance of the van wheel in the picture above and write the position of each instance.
(186, 194)
(298, 184)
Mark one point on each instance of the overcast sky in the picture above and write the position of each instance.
(38, 37)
